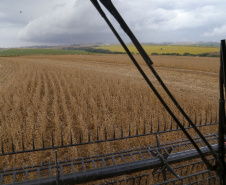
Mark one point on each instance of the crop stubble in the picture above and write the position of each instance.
(44, 94)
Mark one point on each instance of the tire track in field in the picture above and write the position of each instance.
(72, 99)
(33, 85)
(50, 106)
(56, 112)
(64, 104)
(66, 100)
(36, 103)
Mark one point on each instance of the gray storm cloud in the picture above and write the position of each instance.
(70, 21)
(77, 21)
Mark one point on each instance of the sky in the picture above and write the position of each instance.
(67, 22)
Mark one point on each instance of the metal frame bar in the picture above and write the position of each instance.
(79, 173)
(222, 119)
(80, 140)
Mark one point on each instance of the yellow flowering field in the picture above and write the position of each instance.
(164, 49)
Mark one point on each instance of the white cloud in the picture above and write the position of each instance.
(1, 14)
(219, 31)
(176, 19)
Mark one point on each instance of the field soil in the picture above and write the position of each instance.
(43, 94)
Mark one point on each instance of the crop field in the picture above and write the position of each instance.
(111, 49)
(164, 49)
(20, 52)
(75, 93)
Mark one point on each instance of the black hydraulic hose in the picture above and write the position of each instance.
(111, 8)
(96, 4)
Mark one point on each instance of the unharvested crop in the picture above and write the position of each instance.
(73, 93)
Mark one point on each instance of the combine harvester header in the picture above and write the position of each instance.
(166, 162)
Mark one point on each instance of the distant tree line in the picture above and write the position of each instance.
(106, 51)
(189, 54)
(94, 50)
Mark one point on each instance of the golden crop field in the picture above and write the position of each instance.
(73, 93)
(163, 49)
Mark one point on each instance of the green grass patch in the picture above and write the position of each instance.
(20, 52)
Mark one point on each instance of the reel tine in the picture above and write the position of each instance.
(52, 139)
(121, 131)
(106, 134)
(144, 128)
(129, 130)
(23, 142)
(136, 128)
(113, 131)
(88, 136)
(80, 137)
(158, 125)
(97, 134)
(200, 122)
(2, 146)
(13, 149)
(43, 144)
(33, 142)
(195, 121)
(71, 137)
(211, 118)
(164, 124)
(62, 137)
(171, 124)
(151, 127)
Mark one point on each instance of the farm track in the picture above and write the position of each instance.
(41, 95)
